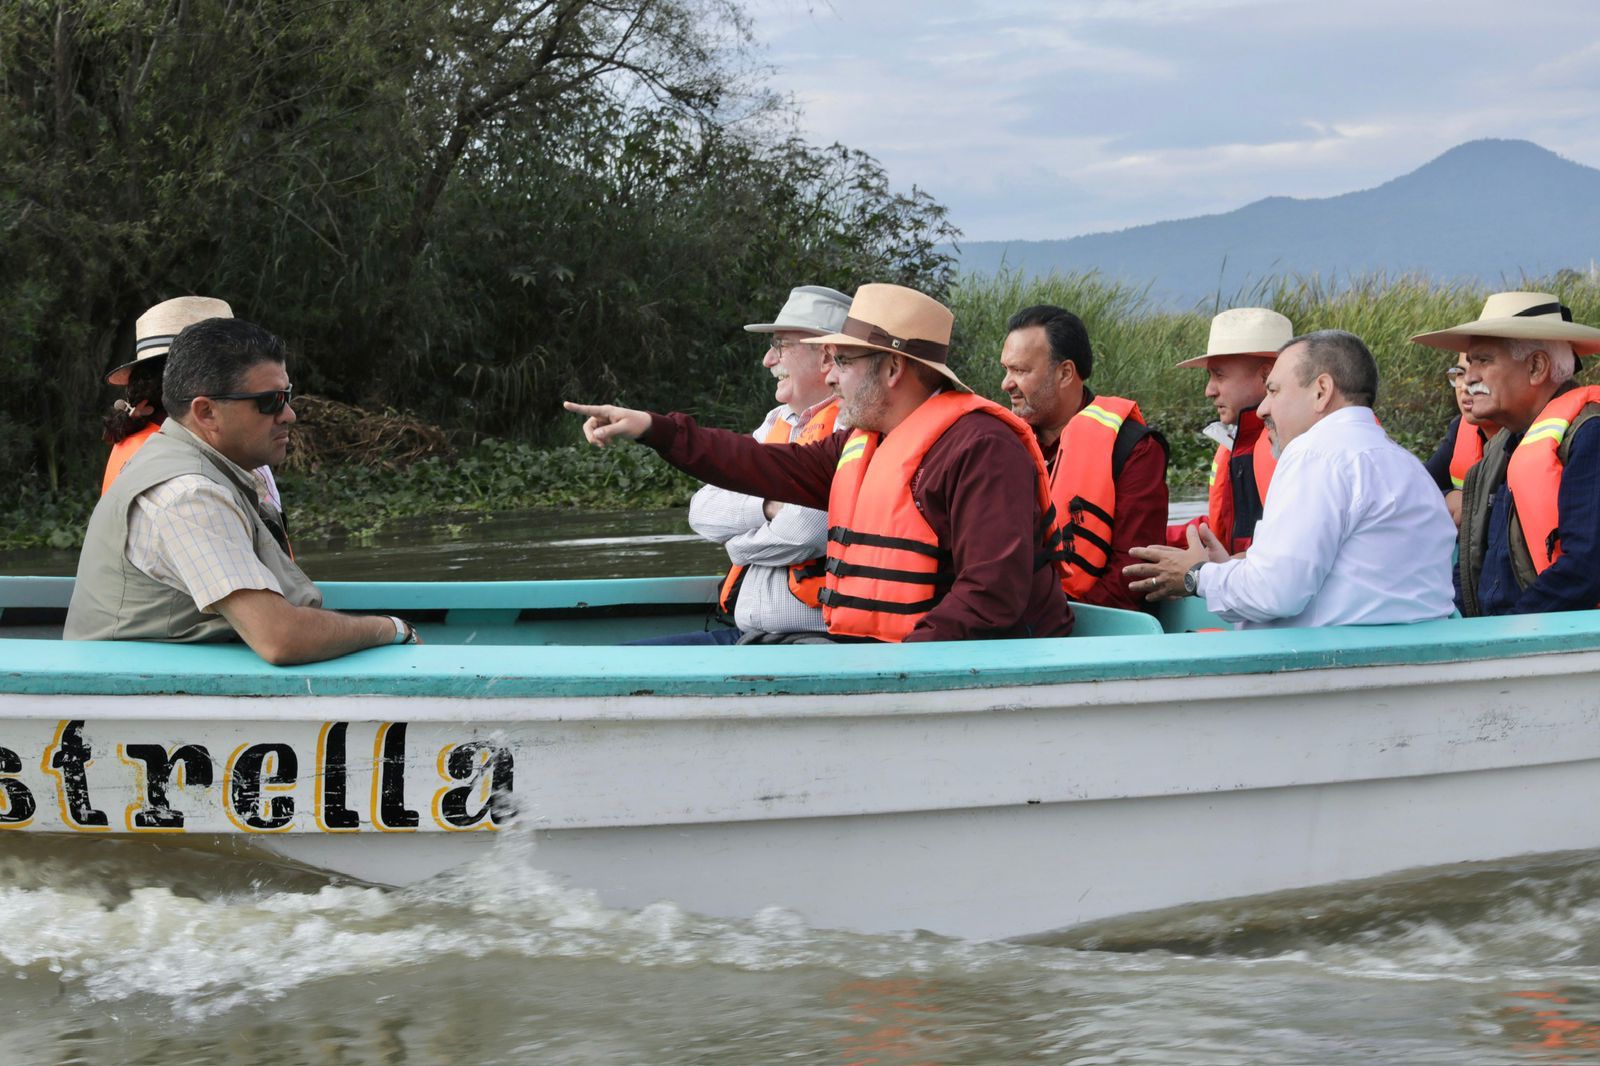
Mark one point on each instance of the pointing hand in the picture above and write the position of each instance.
(604, 423)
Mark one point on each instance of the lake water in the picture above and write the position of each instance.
(142, 954)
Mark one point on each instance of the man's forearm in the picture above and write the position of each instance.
(791, 473)
(285, 635)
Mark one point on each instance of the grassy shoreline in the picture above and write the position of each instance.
(1136, 346)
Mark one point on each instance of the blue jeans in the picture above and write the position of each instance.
(723, 635)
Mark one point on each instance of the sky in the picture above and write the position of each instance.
(1033, 119)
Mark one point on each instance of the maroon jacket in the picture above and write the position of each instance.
(975, 488)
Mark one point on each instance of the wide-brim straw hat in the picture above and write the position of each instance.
(813, 309)
(901, 321)
(156, 329)
(1256, 331)
(1518, 316)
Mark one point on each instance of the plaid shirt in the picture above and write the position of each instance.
(189, 533)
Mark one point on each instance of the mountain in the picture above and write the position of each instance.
(1492, 210)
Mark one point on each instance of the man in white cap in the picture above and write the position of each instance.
(1108, 470)
(777, 550)
(180, 548)
(1530, 508)
(1240, 351)
(1354, 532)
(937, 499)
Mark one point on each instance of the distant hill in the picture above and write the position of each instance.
(1489, 210)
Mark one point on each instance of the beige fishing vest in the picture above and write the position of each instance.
(114, 600)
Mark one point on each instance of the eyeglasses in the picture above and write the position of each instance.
(1456, 376)
(268, 403)
(842, 361)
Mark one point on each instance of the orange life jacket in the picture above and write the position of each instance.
(1083, 489)
(1468, 450)
(805, 579)
(1534, 474)
(122, 451)
(1235, 504)
(886, 567)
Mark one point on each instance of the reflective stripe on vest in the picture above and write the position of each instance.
(805, 579)
(1084, 492)
(1224, 497)
(886, 567)
(1534, 474)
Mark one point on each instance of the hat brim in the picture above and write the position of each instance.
(1585, 340)
(1202, 360)
(774, 327)
(121, 374)
(845, 340)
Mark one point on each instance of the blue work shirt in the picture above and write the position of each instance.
(1572, 582)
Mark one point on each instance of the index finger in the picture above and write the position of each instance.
(583, 408)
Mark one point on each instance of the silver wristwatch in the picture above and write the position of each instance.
(1191, 578)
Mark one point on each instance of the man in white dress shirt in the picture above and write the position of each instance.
(776, 551)
(1354, 531)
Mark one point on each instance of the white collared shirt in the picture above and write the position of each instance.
(1354, 532)
(795, 535)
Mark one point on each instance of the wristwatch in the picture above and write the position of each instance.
(1191, 578)
(404, 632)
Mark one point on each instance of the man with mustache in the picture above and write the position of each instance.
(1530, 508)
(937, 499)
(180, 548)
(777, 550)
(1354, 531)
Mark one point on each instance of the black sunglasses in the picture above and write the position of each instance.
(268, 403)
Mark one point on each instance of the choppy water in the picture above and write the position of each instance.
(135, 954)
(140, 953)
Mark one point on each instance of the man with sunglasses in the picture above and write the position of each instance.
(180, 548)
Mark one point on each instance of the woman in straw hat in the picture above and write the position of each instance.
(1530, 508)
(137, 414)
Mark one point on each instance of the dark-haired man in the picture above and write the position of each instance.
(1354, 531)
(1108, 470)
(180, 548)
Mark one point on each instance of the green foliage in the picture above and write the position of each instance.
(470, 209)
(494, 476)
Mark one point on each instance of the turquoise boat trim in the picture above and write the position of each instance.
(45, 667)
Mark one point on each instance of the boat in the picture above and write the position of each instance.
(982, 790)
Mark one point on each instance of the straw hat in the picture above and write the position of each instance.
(813, 309)
(157, 327)
(902, 321)
(1245, 331)
(1519, 316)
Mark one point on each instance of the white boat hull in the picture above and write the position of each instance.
(977, 812)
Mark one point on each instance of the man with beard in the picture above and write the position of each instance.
(937, 499)
(1530, 508)
(777, 550)
(1108, 470)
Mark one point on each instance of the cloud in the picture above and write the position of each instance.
(1048, 119)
